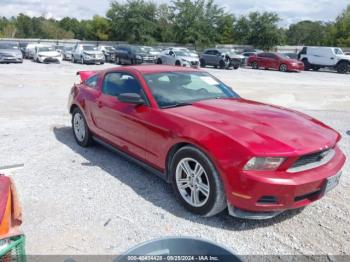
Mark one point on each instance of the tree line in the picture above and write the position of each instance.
(198, 22)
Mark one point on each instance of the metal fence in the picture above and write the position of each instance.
(190, 46)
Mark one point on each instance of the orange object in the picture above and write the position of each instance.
(10, 209)
(5, 223)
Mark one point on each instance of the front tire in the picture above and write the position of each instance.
(283, 68)
(255, 65)
(196, 183)
(343, 67)
(80, 128)
(307, 65)
(222, 64)
(202, 63)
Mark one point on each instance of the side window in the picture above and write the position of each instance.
(92, 81)
(118, 83)
(215, 52)
(261, 55)
(208, 52)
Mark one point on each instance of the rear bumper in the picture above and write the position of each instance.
(278, 191)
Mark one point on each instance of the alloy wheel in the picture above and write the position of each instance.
(192, 182)
(79, 127)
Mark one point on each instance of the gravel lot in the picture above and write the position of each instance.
(92, 201)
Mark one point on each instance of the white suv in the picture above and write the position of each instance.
(318, 57)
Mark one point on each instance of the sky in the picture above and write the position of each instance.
(290, 11)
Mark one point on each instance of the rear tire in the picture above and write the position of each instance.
(343, 67)
(202, 63)
(80, 128)
(199, 192)
(177, 63)
(159, 61)
(222, 64)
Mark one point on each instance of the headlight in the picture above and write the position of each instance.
(264, 163)
(138, 57)
(184, 60)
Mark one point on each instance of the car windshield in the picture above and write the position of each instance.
(136, 49)
(109, 48)
(45, 49)
(89, 48)
(338, 51)
(8, 46)
(180, 53)
(178, 88)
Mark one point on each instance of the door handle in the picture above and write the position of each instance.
(99, 104)
(332, 58)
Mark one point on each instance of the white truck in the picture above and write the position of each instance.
(319, 57)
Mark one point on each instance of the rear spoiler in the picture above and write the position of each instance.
(85, 74)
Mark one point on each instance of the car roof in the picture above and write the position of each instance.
(154, 69)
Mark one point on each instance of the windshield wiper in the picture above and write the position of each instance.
(177, 105)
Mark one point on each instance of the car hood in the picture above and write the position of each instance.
(49, 53)
(10, 51)
(190, 58)
(263, 129)
(346, 57)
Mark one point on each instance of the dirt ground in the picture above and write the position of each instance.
(92, 201)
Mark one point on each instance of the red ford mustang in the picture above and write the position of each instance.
(275, 61)
(217, 149)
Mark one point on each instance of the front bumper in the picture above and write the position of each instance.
(48, 59)
(298, 67)
(276, 191)
(94, 60)
(10, 59)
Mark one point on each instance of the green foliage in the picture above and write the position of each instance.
(341, 29)
(258, 29)
(134, 21)
(199, 22)
(309, 33)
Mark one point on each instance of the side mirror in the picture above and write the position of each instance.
(131, 98)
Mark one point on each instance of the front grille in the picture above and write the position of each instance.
(312, 160)
(195, 63)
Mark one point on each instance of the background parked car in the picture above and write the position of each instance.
(10, 53)
(178, 58)
(22, 47)
(87, 54)
(129, 54)
(67, 53)
(219, 58)
(108, 51)
(29, 51)
(347, 53)
(151, 51)
(274, 61)
(192, 53)
(59, 48)
(291, 55)
(47, 54)
(318, 57)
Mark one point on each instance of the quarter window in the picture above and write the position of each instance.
(92, 81)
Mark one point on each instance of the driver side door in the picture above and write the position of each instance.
(121, 123)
